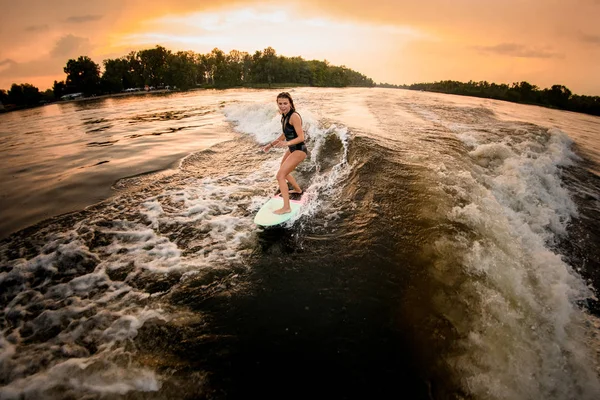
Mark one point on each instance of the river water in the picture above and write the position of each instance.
(448, 249)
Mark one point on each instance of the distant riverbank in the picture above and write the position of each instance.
(557, 96)
(11, 107)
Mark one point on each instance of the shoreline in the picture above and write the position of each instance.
(102, 96)
(121, 94)
(162, 91)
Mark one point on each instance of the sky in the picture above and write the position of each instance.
(543, 42)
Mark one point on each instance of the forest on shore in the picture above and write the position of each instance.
(159, 68)
(558, 96)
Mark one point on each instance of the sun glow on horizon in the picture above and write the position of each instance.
(544, 43)
(285, 29)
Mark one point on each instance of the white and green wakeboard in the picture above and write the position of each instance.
(266, 216)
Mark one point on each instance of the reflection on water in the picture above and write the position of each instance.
(65, 156)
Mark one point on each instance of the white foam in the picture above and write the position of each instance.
(135, 238)
(209, 205)
(262, 122)
(82, 376)
(88, 308)
(127, 326)
(525, 178)
(527, 341)
(8, 350)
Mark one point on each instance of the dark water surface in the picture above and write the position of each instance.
(448, 250)
(66, 156)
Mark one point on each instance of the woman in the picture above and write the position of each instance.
(293, 138)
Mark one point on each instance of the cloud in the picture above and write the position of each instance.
(517, 50)
(12, 69)
(69, 46)
(6, 64)
(39, 73)
(37, 28)
(593, 39)
(46, 68)
(79, 19)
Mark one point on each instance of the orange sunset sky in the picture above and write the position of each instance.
(544, 42)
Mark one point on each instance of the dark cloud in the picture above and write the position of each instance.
(593, 39)
(70, 46)
(6, 65)
(37, 28)
(11, 71)
(7, 62)
(517, 50)
(79, 19)
(46, 67)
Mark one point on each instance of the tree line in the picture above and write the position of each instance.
(159, 68)
(557, 96)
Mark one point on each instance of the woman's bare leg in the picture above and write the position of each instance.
(288, 165)
(289, 177)
(294, 184)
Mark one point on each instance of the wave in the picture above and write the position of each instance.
(520, 332)
(473, 210)
(428, 255)
(327, 161)
(77, 289)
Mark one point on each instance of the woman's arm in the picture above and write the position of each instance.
(274, 143)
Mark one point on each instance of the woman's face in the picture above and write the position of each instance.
(284, 105)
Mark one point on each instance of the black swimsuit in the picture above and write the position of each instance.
(290, 133)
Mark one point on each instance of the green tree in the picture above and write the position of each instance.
(154, 64)
(526, 91)
(586, 104)
(59, 89)
(204, 70)
(558, 96)
(235, 67)
(256, 73)
(269, 59)
(48, 96)
(159, 66)
(318, 71)
(265, 64)
(24, 95)
(134, 78)
(247, 68)
(182, 71)
(115, 75)
(218, 65)
(83, 75)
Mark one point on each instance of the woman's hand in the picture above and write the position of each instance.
(273, 144)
